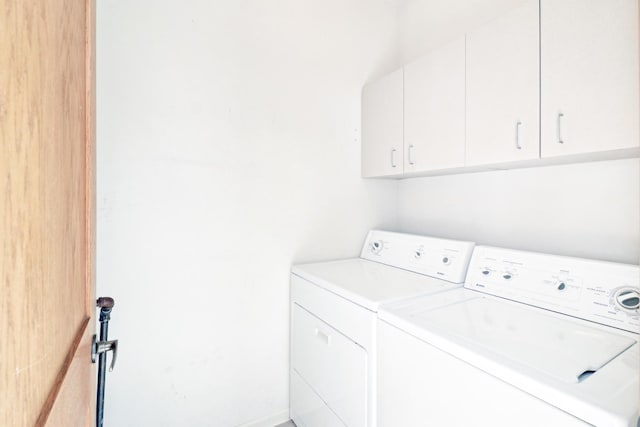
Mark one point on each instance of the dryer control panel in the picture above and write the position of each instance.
(440, 258)
(603, 292)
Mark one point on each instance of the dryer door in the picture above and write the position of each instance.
(332, 365)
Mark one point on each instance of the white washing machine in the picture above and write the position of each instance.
(531, 340)
(333, 320)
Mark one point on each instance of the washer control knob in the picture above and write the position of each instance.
(446, 260)
(628, 299)
(376, 246)
(561, 285)
(485, 271)
(417, 254)
(507, 275)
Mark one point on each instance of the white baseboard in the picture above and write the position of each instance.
(270, 421)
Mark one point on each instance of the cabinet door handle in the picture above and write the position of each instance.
(518, 146)
(410, 155)
(560, 116)
(393, 157)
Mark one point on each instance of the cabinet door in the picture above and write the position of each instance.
(589, 51)
(503, 88)
(382, 139)
(434, 105)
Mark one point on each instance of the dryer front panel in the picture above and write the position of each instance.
(334, 366)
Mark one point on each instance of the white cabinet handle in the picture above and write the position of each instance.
(518, 146)
(323, 336)
(410, 155)
(560, 116)
(393, 157)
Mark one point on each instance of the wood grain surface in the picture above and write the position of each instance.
(46, 206)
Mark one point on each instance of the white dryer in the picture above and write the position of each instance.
(333, 320)
(531, 340)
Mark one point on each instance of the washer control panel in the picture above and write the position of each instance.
(603, 292)
(440, 258)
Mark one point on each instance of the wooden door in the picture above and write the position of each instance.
(590, 84)
(382, 133)
(434, 109)
(503, 88)
(46, 213)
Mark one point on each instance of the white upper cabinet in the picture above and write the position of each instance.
(548, 82)
(503, 88)
(590, 76)
(382, 133)
(434, 110)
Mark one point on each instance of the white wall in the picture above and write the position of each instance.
(590, 210)
(426, 24)
(228, 148)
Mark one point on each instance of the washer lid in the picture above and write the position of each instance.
(369, 283)
(564, 349)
